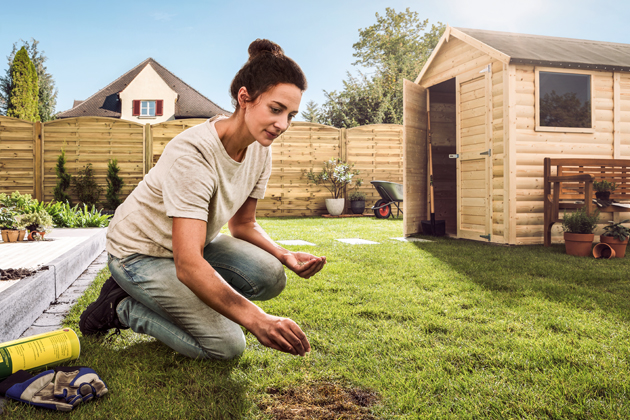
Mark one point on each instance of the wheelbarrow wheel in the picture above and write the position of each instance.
(383, 212)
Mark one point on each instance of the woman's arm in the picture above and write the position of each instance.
(196, 273)
(243, 226)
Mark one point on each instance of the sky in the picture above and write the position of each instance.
(90, 44)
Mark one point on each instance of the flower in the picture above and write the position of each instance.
(335, 176)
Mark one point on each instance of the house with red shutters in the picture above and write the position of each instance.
(148, 93)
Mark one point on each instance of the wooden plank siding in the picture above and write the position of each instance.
(96, 141)
(624, 115)
(17, 156)
(497, 145)
(376, 150)
(532, 146)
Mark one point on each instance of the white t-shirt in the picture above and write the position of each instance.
(194, 178)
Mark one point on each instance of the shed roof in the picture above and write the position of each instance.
(105, 102)
(555, 51)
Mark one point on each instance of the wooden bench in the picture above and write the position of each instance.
(571, 187)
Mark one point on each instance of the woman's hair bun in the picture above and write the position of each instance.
(264, 45)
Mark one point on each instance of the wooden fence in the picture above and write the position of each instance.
(29, 152)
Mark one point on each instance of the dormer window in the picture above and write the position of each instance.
(148, 108)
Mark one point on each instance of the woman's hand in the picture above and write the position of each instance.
(303, 264)
(281, 334)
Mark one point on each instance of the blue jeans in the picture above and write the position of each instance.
(160, 305)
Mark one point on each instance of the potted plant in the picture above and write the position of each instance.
(37, 223)
(8, 225)
(357, 202)
(616, 235)
(578, 230)
(335, 176)
(603, 189)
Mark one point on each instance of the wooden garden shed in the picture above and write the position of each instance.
(494, 105)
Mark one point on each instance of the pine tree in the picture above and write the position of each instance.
(311, 114)
(47, 90)
(64, 180)
(85, 186)
(114, 185)
(24, 94)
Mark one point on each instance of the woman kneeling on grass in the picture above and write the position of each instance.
(174, 276)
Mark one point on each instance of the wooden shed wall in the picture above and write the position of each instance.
(531, 147)
(455, 57)
(498, 147)
(622, 122)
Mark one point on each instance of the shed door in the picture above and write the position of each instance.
(414, 157)
(473, 173)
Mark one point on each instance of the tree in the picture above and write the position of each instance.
(564, 111)
(394, 48)
(85, 186)
(64, 179)
(311, 114)
(114, 185)
(24, 92)
(47, 91)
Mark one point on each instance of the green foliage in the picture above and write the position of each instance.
(335, 176)
(47, 92)
(617, 230)
(114, 185)
(357, 196)
(35, 221)
(602, 186)
(64, 179)
(7, 219)
(66, 216)
(19, 203)
(580, 222)
(311, 114)
(85, 186)
(394, 48)
(24, 93)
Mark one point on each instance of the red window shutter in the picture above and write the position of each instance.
(136, 108)
(159, 106)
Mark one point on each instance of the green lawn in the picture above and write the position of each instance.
(447, 329)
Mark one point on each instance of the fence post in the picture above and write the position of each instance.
(148, 149)
(38, 161)
(343, 155)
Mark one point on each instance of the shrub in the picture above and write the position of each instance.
(114, 185)
(18, 203)
(7, 219)
(85, 186)
(64, 179)
(38, 220)
(580, 222)
(357, 196)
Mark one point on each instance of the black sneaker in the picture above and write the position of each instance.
(100, 316)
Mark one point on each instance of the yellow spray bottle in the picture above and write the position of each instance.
(38, 351)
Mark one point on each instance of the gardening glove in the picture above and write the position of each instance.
(78, 383)
(61, 389)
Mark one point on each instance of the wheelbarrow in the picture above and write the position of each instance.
(391, 193)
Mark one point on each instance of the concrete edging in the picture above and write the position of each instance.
(22, 303)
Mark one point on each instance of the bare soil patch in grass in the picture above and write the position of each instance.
(319, 401)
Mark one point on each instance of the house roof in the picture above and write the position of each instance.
(554, 51)
(105, 102)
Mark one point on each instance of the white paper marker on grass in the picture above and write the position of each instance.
(295, 242)
(412, 239)
(355, 241)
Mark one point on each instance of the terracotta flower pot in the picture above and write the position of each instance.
(335, 206)
(617, 245)
(578, 244)
(604, 251)
(32, 236)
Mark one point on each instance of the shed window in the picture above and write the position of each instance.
(564, 100)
